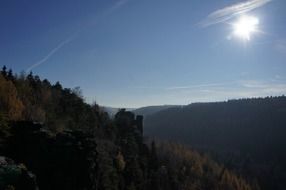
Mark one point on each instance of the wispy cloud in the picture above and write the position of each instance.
(227, 13)
(117, 5)
(199, 86)
(211, 92)
(240, 89)
(253, 84)
(186, 87)
(264, 87)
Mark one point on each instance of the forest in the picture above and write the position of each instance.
(50, 138)
(247, 135)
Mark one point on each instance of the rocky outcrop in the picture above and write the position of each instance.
(15, 176)
(67, 160)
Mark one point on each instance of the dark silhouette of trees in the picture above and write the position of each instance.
(69, 144)
(4, 71)
(246, 135)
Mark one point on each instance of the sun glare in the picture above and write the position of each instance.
(245, 26)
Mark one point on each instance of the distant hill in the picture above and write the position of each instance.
(149, 110)
(145, 111)
(248, 133)
(112, 111)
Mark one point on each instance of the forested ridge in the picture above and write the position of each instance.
(51, 139)
(248, 135)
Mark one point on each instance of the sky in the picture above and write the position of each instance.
(133, 53)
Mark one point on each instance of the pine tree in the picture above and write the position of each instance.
(4, 72)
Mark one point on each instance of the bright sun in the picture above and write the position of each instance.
(245, 26)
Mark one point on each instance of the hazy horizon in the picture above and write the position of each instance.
(214, 101)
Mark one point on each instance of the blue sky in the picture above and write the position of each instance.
(132, 53)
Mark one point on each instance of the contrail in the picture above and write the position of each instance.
(116, 6)
(51, 53)
(227, 13)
